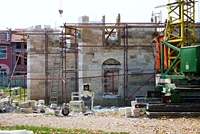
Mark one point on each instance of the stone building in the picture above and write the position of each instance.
(115, 69)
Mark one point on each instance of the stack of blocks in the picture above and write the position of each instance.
(135, 111)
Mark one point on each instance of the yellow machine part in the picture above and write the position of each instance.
(180, 27)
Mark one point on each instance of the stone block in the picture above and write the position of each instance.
(5, 100)
(24, 104)
(47, 26)
(53, 106)
(31, 103)
(27, 110)
(30, 28)
(1, 105)
(41, 102)
(35, 107)
(41, 107)
(38, 27)
(1, 92)
(18, 110)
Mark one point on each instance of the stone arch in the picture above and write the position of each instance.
(111, 61)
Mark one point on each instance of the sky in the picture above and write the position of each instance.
(27, 13)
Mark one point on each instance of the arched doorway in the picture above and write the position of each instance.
(111, 68)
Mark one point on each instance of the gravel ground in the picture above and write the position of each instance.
(107, 122)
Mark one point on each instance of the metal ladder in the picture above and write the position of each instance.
(55, 84)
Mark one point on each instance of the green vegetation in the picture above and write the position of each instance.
(50, 130)
(22, 93)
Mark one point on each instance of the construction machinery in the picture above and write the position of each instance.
(81, 98)
(177, 63)
(77, 103)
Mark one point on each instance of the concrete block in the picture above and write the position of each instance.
(122, 111)
(136, 112)
(133, 103)
(128, 112)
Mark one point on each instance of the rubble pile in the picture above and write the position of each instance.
(30, 106)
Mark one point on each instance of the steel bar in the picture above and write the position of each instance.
(139, 87)
(76, 64)
(126, 60)
(124, 69)
(46, 68)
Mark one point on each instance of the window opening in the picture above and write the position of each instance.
(3, 53)
(18, 45)
(111, 80)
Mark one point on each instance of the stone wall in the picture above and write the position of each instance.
(140, 64)
(36, 63)
(91, 58)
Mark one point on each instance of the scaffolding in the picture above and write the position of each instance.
(69, 30)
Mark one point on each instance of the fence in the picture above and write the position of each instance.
(17, 80)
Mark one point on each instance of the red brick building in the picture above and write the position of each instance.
(5, 52)
(19, 53)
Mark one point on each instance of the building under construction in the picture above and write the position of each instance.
(115, 59)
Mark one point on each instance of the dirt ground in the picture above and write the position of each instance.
(107, 122)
